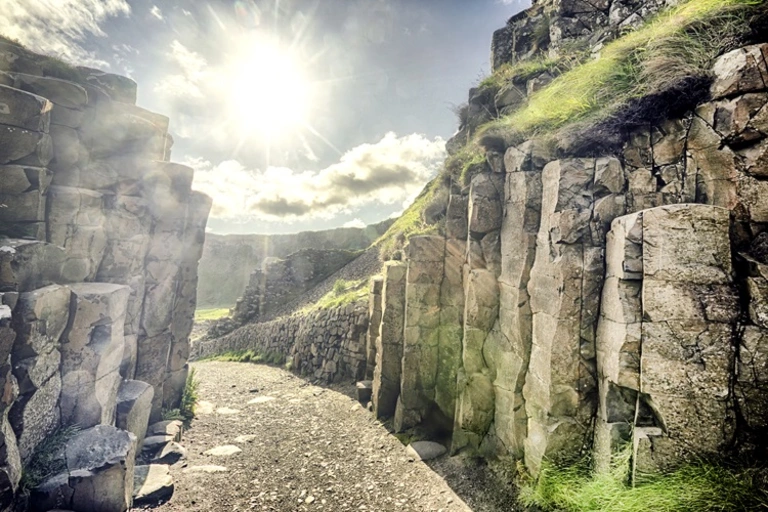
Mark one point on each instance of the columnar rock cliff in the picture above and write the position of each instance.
(100, 237)
(586, 295)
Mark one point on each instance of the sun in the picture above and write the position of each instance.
(270, 93)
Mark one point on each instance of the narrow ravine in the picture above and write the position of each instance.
(265, 439)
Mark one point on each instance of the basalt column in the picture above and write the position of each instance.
(476, 402)
(580, 197)
(374, 324)
(666, 345)
(389, 345)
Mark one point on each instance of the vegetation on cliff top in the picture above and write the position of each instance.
(51, 66)
(676, 44)
(668, 51)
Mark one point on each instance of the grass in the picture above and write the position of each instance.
(410, 223)
(696, 487)
(202, 315)
(466, 163)
(189, 399)
(51, 66)
(678, 43)
(250, 356)
(342, 293)
(522, 71)
(47, 459)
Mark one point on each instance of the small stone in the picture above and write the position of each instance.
(261, 399)
(425, 450)
(206, 468)
(309, 500)
(223, 451)
(248, 438)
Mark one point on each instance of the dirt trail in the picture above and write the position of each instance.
(302, 448)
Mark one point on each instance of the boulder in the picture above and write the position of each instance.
(741, 71)
(97, 472)
(425, 450)
(134, 403)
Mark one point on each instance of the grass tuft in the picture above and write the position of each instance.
(202, 315)
(342, 293)
(696, 487)
(410, 223)
(189, 399)
(47, 459)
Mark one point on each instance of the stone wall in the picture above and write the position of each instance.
(327, 344)
(100, 236)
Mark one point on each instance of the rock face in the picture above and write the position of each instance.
(100, 236)
(280, 280)
(228, 261)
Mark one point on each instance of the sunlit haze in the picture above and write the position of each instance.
(296, 114)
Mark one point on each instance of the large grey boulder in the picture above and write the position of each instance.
(97, 471)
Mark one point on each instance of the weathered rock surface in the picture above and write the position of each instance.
(97, 473)
(152, 484)
(99, 231)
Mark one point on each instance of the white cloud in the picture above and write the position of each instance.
(59, 27)
(391, 171)
(354, 223)
(156, 12)
(185, 85)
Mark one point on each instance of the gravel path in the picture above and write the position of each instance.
(302, 448)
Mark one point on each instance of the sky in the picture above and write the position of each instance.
(296, 114)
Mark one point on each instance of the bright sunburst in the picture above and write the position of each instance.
(270, 93)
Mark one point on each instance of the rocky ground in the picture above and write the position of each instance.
(265, 439)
